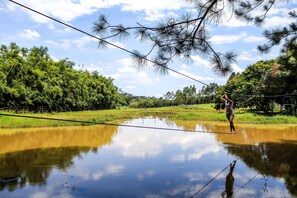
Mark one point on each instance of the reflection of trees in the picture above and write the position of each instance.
(264, 149)
(35, 166)
(275, 159)
(46, 149)
(267, 150)
(28, 139)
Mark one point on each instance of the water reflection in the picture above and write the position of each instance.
(229, 182)
(105, 161)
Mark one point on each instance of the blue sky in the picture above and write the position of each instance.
(28, 29)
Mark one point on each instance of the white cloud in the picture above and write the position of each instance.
(197, 77)
(64, 44)
(156, 15)
(277, 21)
(221, 39)
(90, 67)
(184, 66)
(30, 34)
(233, 22)
(243, 36)
(67, 10)
(82, 41)
(118, 44)
(147, 6)
(201, 62)
(247, 56)
(128, 75)
(236, 68)
(253, 39)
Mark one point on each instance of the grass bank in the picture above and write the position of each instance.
(204, 112)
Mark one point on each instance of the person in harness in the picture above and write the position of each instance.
(229, 111)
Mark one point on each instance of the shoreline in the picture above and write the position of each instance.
(197, 113)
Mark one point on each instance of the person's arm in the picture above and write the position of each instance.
(232, 166)
(228, 99)
(224, 97)
(231, 102)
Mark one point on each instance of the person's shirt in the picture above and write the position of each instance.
(228, 106)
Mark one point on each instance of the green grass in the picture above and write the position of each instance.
(203, 112)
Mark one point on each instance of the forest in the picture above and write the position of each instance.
(30, 80)
(267, 84)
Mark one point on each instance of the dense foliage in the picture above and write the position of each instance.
(187, 96)
(31, 78)
(266, 84)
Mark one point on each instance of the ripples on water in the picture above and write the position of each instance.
(109, 161)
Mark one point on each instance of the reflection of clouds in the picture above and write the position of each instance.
(195, 176)
(114, 170)
(137, 144)
(49, 194)
(199, 152)
(148, 173)
(85, 174)
(178, 158)
(182, 191)
(179, 190)
(97, 175)
(246, 192)
(214, 174)
(144, 143)
(188, 140)
(81, 172)
(203, 144)
(277, 192)
(39, 195)
(153, 196)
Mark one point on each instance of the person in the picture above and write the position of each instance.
(229, 182)
(229, 111)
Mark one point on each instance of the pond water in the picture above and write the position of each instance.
(111, 161)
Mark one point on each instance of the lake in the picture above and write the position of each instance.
(120, 161)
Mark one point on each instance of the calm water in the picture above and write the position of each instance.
(106, 161)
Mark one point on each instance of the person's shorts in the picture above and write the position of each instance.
(229, 114)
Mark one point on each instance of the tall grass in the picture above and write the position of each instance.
(204, 112)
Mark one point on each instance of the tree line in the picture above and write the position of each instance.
(31, 78)
(266, 84)
(189, 95)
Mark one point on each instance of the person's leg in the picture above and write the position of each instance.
(228, 116)
(231, 123)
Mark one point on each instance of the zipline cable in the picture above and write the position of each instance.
(107, 42)
(112, 124)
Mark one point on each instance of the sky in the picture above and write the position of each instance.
(28, 29)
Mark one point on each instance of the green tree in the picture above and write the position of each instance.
(249, 88)
(29, 77)
(288, 68)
